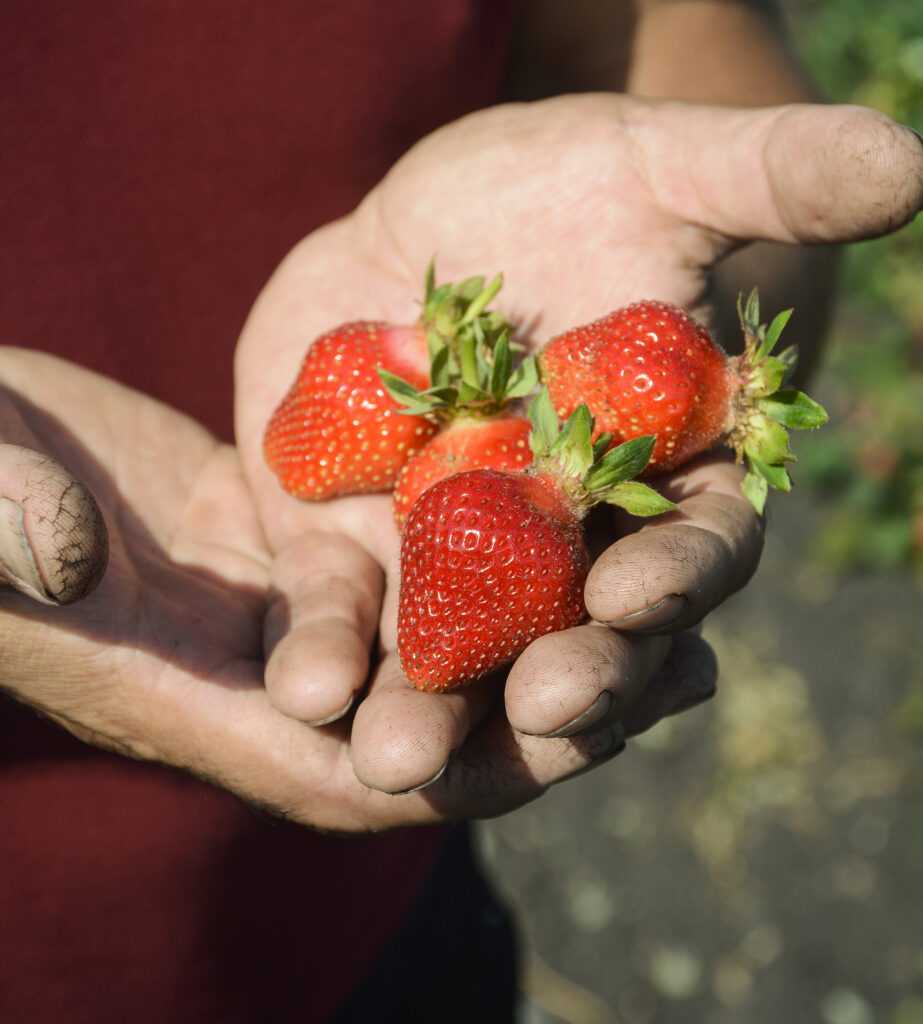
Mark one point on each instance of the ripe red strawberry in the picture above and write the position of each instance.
(651, 369)
(338, 431)
(490, 560)
(468, 442)
(471, 391)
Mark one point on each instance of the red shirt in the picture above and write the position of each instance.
(156, 162)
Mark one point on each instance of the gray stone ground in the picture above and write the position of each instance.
(760, 858)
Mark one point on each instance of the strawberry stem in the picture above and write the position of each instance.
(764, 410)
(587, 473)
(472, 372)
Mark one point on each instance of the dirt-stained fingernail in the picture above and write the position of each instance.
(423, 785)
(654, 617)
(586, 719)
(336, 716)
(692, 698)
(607, 744)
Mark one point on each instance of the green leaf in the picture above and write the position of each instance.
(493, 322)
(545, 423)
(601, 446)
(774, 332)
(749, 312)
(573, 450)
(435, 300)
(480, 302)
(416, 409)
(776, 476)
(484, 366)
(446, 395)
(755, 490)
(470, 288)
(622, 463)
(439, 367)
(502, 368)
(467, 358)
(768, 375)
(445, 319)
(399, 389)
(795, 410)
(412, 401)
(789, 359)
(468, 394)
(524, 379)
(767, 441)
(434, 343)
(429, 281)
(638, 499)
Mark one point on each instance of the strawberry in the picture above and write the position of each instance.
(337, 431)
(472, 388)
(492, 560)
(468, 442)
(650, 368)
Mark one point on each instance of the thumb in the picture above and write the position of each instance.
(800, 173)
(53, 541)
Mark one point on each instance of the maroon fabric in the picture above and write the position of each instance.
(156, 161)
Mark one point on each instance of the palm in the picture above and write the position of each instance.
(528, 199)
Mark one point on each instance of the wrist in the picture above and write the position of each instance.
(715, 52)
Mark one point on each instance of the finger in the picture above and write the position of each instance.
(800, 173)
(500, 769)
(403, 738)
(579, 679)
(687, 678)
(320, 626)
(670, 574)
(53, 541)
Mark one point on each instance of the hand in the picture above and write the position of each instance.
(161, 657)
(585, 203)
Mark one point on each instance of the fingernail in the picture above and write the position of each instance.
(594, 713)
(693, 698)
(613, 742)
(336, 716)
(657, 616)
(423, 785)
(17, 563)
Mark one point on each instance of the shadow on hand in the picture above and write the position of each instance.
(187, 615)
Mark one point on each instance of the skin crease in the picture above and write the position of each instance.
(231, 614)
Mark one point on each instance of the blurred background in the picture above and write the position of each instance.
(760, 859)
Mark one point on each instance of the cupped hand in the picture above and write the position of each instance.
(140, 594)
(584, 203)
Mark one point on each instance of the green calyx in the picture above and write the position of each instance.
(473, 366)
(592, 473)
(765, 408)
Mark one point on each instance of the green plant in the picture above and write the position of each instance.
(871, 467)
